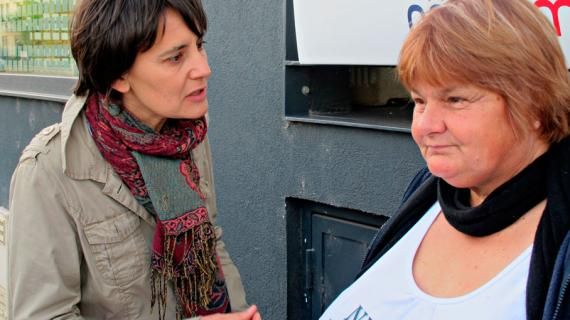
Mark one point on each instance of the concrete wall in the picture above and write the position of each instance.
(21, 119)
(260, 159)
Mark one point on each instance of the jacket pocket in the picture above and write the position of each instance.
(118, 248)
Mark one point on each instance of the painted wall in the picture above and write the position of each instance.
(20, 120)
(260, 159)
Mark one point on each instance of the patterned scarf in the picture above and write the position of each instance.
(160, 173)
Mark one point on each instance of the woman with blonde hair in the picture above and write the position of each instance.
(483, 233)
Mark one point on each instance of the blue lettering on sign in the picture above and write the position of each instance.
(411, 10)
(552, 5)
(416, 8)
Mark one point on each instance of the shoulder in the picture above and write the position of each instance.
(45, 142)
(560, 158)
(39, 174)
(421, 176)
(40, 160)
(202, 151)
(202, 157)
(417, 199)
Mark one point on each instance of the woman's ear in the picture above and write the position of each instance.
(121, 85)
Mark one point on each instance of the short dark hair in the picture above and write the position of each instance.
(107, 35)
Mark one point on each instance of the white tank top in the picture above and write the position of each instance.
(388, 290)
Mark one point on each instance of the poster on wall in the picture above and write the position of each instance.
(371, 32)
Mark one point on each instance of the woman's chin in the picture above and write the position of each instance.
(447, 174)
(439, 169)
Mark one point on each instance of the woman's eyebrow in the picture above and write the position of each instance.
(172, 50)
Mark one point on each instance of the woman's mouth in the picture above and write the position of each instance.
(197, 95)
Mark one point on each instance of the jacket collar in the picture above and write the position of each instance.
(81, 159)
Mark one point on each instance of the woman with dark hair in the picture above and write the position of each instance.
(113, 209)
(484, 234)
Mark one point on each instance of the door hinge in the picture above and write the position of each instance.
(308, 290)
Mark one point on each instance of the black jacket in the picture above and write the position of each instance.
(549, 276)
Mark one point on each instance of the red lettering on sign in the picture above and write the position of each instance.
(553, 7)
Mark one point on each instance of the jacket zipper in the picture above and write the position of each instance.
(561, 297)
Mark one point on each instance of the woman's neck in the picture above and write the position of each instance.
(478, 194)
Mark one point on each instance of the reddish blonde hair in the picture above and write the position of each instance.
(506, 46)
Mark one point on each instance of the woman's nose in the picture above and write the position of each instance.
(199, 67)
(430, 120)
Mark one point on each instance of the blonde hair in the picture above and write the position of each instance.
(506, 46)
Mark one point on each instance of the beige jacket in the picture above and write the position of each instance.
(79, 242)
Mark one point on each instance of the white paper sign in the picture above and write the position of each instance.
(371, 32)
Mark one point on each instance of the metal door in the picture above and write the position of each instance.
(325, 249)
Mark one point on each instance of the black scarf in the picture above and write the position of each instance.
(547, 177)
(553, 226)
(501, 208)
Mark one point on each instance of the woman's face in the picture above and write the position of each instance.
(170, 79)
(466, 137)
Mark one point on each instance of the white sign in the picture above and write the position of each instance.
(371, 32)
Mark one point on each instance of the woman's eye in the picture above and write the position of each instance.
(175, 58)
(455, 99)
(419, 104)
(418, 101)
(200, 44)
